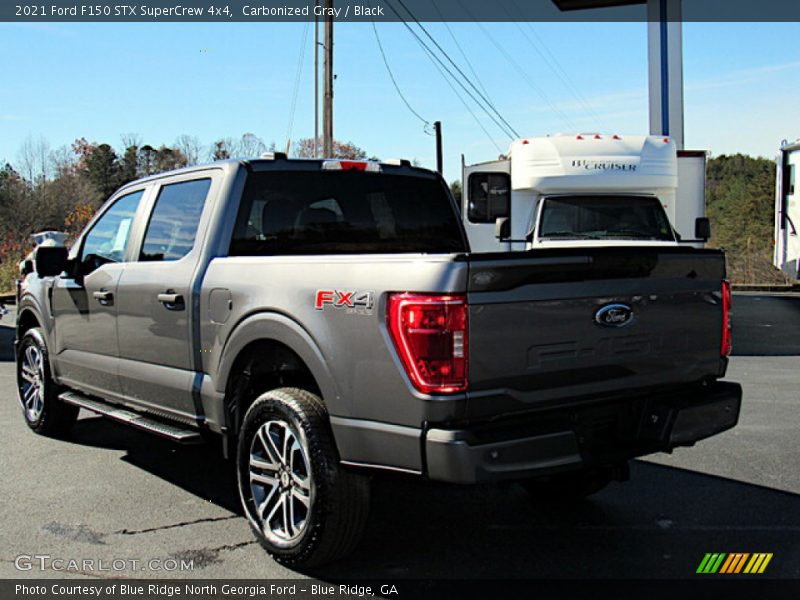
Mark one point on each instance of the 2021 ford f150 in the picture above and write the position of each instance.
(324, 318)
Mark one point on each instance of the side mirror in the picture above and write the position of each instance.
(502, 228)
(702, 229)
(26, 266)
(50, 260)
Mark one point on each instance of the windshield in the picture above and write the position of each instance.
(604, 218)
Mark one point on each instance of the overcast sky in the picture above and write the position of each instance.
(101, 81)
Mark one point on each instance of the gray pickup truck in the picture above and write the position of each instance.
(326, 318)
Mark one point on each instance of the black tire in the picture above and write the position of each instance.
(331, 523)
(568, 487)
(37, 392)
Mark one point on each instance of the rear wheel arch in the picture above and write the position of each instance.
(262, 365)
(285, 339)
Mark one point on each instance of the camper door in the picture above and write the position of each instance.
(486, 196)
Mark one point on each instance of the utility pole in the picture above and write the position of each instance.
(316, 80)
(327, 103)
(437, 128)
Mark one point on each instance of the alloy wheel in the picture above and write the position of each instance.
(280, 482)
(32, 383)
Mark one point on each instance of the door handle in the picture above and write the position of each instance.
(104, 297)
(171, 300)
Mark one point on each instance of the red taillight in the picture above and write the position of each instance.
(727, 343)
(353, 165)
(430, 335)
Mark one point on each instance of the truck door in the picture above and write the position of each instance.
(85, 306)
(156, 341)
(486, 196)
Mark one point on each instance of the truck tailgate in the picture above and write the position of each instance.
(551, 327)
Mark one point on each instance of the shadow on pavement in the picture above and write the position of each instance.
(7, 338)
(660, 524)
(198, 469)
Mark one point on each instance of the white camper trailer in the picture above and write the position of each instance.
(585, 189)
(787, 211)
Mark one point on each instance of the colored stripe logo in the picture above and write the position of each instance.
(734, 563)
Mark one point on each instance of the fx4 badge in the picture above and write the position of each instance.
(353, 301)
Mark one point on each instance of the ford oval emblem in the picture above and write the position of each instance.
(614, 315)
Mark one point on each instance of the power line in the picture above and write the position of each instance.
(461, 98)
(518, 68)
(299, 72)
(391, 76)
(457, 68)
(460, 49)
(432, 57)
(552, 62)
(567, 121)
(439, 63)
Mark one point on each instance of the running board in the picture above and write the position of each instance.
(176, 433)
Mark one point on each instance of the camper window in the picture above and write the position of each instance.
(489, 197)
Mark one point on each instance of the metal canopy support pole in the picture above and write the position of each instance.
(327, 103)
(665, 58)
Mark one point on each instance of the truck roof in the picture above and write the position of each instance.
(279, 160)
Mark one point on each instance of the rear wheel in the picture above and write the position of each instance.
(569, 487)
(304, 508)
(38, 393)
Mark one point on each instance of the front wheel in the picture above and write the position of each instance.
(38, 393)
(304, 508)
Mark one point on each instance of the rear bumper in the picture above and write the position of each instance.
(567, 439)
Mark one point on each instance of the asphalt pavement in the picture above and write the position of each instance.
(113, 493)
(766, 325)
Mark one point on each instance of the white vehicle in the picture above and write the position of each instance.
(787, 211)
(585, 189)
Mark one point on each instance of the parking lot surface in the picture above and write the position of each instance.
(113, 493)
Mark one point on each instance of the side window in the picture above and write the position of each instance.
(173, 224)
(489, 197)
(108, 238)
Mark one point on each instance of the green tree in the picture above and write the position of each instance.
(169, 158)
(128, 165)
(102, 169)
(455, 188)
(740, 205)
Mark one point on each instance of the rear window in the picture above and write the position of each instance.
(604, 217)
(344, 212)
